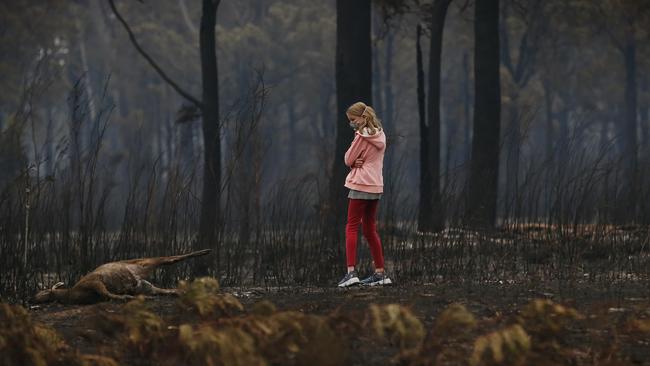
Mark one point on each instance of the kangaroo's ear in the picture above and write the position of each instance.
(57, 285)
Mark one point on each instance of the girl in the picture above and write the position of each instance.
(365, 157)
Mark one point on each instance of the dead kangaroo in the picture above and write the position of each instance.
(121, 280)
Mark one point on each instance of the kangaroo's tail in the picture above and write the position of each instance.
(177, 258)
(161, 261)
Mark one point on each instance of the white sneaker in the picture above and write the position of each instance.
(377, 278)
(351, 278)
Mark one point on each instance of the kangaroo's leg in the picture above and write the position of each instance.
(101, 289)
(147, 288)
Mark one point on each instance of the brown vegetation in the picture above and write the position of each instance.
(206, 326)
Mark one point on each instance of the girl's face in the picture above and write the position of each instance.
(356, 120)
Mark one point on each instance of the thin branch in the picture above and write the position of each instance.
(186, 17)
(153, 64)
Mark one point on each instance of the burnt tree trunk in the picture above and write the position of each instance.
(293, 120)
(210, 203)
(431, 217)
(389, 98)
(549, 140)
(353, 84)
(548, 129)
(467, 116)
(644, 121)
(424, 143)
(376, 68)
(627, 207)
(484, 167)
(644, 155)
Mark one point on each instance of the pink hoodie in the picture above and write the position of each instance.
(369, 148)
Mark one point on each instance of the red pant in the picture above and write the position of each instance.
(363, 211)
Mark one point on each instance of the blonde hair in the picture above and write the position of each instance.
(370, 120)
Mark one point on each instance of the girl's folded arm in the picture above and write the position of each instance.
(355, 150)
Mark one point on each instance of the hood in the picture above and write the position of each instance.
(378, 140)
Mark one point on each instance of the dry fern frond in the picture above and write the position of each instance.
(263, 308)
(202, 297)
(453, 320)
(508, 346)
(25, 342)
(292, 338)
(397, 324)
(95, 360)
(543, 317)
(640, 325)
(226, 346)
(137, 327)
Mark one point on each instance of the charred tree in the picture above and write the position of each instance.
(210, 199)
(484, 166)
(431, 218)
(627, 207)
(210, 220)
(424, 145)
(389, 98)
(353, 84)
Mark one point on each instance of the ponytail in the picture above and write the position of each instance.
(372, 122)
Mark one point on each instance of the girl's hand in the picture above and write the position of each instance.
(357, 163)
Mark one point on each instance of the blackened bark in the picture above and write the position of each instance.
(644, 121)
(353, 84)
(467, 99)
(629, 149)
(431, 211)
(210, 204)
(293, 120)
(186, 144)
(377, 80)
(512, 143)
(484, 170)
(389, 98)
(549, 132)
(644, 155)
(49, 142)
(424, 141)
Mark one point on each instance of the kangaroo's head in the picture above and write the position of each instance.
(48, 295)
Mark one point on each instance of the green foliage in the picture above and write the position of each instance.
(202, 298)
(397, 324)
(507, 346)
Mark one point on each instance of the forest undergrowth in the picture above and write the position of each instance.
(208, 325)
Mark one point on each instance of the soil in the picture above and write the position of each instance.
(607, 310)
